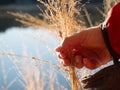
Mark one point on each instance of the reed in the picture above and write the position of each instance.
(60, 15)
(108, 4)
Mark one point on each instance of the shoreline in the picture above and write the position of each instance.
(7, 20)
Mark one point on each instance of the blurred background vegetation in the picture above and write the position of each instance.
(31, 41)
(29, 6)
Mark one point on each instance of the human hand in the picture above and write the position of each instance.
(86, 48)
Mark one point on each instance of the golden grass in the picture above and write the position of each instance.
(108, 4)
(59, 14)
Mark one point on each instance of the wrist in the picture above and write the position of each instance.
(108, 45)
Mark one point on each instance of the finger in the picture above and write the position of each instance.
(78, 61)
(65, 62)
(58, 49)
(91, 64)
(61, 55)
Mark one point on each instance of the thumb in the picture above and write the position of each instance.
(58, 49)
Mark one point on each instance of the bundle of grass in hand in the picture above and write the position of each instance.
(58, 15)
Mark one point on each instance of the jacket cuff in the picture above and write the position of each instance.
(107, 42)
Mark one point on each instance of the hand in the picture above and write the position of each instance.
(86, 48)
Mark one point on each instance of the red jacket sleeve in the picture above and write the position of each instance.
(112, 23)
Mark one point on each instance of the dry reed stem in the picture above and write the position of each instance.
(88, 17)
(108, 4)
(58, 14)
(34, 58)
(73, 78)
(64, 20)
(64, 23)
(29, 20)
(5, 74)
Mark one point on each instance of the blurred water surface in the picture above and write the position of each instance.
(27, 55)
(17, 47)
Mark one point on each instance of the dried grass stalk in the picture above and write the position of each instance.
(59, 14)
(108, 4)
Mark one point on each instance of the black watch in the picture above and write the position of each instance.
(107, 42)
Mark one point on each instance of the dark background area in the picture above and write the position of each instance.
(6, 2)
(18, 2)
(6, 20)
(28, 6)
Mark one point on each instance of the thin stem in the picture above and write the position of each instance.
(73, 78)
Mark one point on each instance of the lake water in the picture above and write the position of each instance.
(27, 59)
